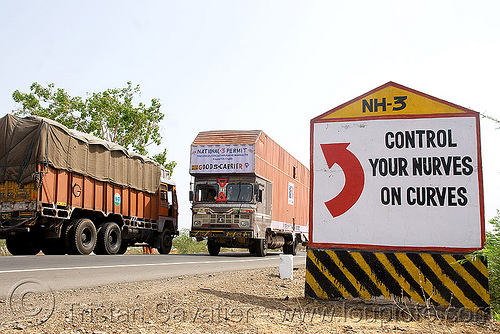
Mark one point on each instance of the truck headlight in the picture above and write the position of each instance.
(197, 223)
(245, 223)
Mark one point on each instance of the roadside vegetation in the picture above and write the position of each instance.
(184, 244)
(493, 248)
(492, 252)
(3, 248)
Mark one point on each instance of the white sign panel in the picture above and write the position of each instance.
(222, 159)
(397, 183)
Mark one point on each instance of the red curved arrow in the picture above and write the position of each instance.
(354, 177)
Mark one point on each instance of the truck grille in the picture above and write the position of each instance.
(221, 220)
(220, 225)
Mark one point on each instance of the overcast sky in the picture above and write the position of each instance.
(267, 65)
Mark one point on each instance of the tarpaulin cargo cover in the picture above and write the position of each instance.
(27, 142)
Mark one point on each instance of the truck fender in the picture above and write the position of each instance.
(161, 223)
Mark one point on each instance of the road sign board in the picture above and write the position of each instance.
(396, 169)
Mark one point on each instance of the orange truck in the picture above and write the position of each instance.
(67, 192)
(247, 192)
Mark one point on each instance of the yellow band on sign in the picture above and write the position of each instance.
(392, 101)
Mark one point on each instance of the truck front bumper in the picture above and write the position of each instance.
(15, 225)
(221, 233)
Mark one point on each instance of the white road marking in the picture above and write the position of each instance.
(129, 265)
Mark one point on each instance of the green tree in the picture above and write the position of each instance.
(110, 115)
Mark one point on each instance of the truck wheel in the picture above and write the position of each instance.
(213, 248)
(261, 247)
(82, 236)
(109, 239)
(15, 246)
(23, 245)
(66, 235)
(165, 242)
(123, 248)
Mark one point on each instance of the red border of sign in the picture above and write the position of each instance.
(468, 113)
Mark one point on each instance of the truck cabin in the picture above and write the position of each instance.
(229, 202)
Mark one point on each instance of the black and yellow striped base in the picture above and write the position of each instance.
(422, 277)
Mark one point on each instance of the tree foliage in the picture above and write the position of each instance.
(110, 115)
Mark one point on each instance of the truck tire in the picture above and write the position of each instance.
(213, 248)
(82, 237)
(23, 245)
(66, 235)
(109, 239)
(123, 248)
(165, 242)
(261, 247)
(15, 246)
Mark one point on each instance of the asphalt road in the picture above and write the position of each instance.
(61, 272)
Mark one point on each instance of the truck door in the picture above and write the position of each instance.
(172, 201)
(164, 204)
(265, 200)
(260, 198)
(269, 199)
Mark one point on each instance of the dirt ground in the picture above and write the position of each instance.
(251, 301)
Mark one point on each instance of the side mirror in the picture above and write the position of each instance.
(191, 195)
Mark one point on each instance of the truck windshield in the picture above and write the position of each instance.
(206, 192)
(237, 192)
